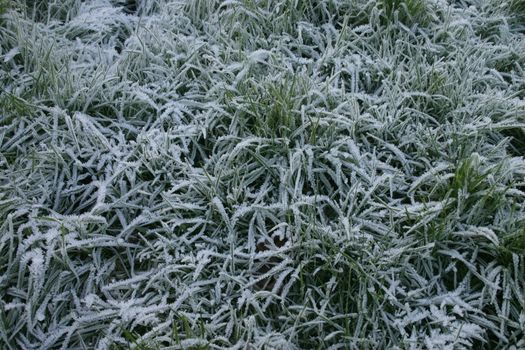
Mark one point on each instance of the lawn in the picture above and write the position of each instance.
(262, 174)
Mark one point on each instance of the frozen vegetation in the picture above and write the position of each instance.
(262, 174)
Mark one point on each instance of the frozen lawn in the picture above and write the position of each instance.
(262, 174)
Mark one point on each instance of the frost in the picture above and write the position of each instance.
(262, 174)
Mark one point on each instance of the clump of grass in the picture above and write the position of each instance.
(4, 6)
(13, 107)
(409, 12)
(517, 8)
(273, 108)
(53, 10)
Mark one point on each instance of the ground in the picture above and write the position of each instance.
(262, 174)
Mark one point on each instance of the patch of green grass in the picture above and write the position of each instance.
(409, 12)
(133, 339)
(512, 244)
(272, 109)
(517, 8)
(4, 6)
(49, 10)
(12, 107)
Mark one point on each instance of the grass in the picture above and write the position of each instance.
(517, 8)
(271, 109)
(277, 174)
(4, 6)
(408, 12)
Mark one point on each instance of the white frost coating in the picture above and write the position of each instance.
(266, 174)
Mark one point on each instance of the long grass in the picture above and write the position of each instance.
(248, 174)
